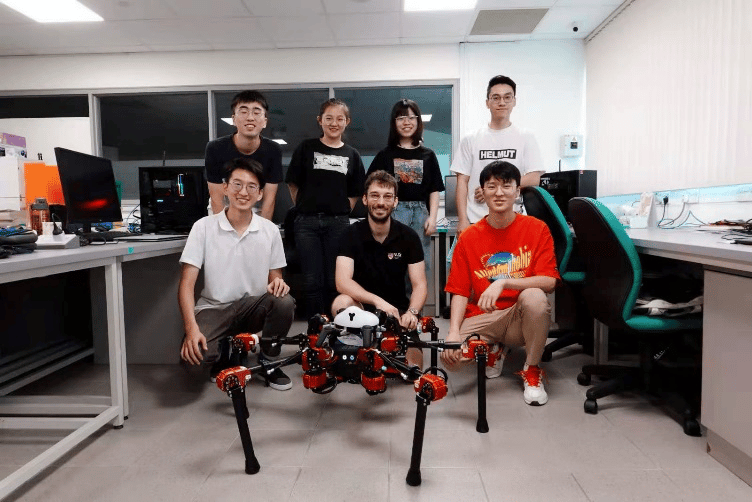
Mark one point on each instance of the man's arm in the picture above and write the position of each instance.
(267, 203)
(343, 277)
(417, 274)
(457, 315)
(293, 192)
(461, 201)
(194, 341)
(217, 197)
(531, 179)
(276, 285)
(487, 300)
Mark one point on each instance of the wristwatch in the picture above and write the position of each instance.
(414, 312)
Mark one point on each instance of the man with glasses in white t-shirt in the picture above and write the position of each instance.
(498, 140)
(244, 292)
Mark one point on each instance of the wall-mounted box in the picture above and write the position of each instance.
(571, 145)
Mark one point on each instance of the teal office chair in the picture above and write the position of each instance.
(613, 276)
(539, 204)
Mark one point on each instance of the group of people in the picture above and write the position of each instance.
(502, 267)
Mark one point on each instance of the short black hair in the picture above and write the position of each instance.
(249, 165)
(249, 97)
(382, 178)
(501, 170)
(400, 109)
(500, 79)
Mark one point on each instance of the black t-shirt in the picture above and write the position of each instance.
(416, 169)
(221, 150)
(325, 177)
(380, 268)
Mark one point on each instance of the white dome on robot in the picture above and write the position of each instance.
(354, 317)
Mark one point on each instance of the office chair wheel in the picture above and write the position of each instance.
(591, 406)
(692, 427)
(583, 379)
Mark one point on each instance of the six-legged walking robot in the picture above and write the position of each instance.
(360, 348)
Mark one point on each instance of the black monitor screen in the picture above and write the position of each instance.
(172, 198)
(89, 190)
(450, 197)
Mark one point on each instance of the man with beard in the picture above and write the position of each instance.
(374, 256)
(502, 269)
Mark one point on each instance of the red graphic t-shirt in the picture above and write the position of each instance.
(484, 254)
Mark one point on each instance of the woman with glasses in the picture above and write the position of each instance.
(417, 171)
(325, 179)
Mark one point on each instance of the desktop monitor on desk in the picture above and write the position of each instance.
(89, 190)
(450, 199)
(172, 198)
(565, 185)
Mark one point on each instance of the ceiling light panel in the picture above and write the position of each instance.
(54, 11)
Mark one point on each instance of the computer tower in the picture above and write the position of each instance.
(564, 185)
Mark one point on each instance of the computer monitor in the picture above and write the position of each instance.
(564, 185)
(450, 197)
(172, 198)
(88, 184)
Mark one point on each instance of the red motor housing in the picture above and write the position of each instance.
(373, 384)
(434, 387)
(233, 377)
(314, 379)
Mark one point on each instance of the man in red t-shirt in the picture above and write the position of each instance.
(502, 268)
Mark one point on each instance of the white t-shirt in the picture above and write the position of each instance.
(234, 266)
(486, 145)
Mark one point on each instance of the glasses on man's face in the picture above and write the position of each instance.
(375, 197)
(406, 118)
(236, 187)
(244, 112)
(496, 98)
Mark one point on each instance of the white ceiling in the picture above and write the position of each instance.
(204, 25)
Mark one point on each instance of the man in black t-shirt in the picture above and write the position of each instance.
(374, 256)
(249, 114)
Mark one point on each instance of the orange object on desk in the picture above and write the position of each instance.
(42, 180)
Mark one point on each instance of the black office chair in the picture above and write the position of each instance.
(539, 204)
(613, 276)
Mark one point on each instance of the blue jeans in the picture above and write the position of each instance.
(414, 214)
(317, 239)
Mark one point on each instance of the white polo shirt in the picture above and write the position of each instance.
(486, 145)
(234, 266)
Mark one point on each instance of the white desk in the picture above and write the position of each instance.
(104, 409)
(727, 337)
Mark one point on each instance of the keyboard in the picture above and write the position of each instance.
(107, 236)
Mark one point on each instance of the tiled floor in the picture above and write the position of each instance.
(181, 444)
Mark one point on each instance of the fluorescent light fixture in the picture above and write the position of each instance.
(426, 118)
(280, 141)
(437, 5)
(227, 120)
(54, 11)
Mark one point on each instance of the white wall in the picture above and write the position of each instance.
(44, 134)
(550, 78)
(549, 74)
(669, 96)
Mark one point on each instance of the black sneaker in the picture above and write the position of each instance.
(217, 367)
(277, 380)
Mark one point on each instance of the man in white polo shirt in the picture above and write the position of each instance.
(244, 292)
(498, 140)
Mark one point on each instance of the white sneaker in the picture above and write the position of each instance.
(534, 394)
(495, 370)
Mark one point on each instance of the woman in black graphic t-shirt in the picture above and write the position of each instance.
(417, 171)
(325, 178)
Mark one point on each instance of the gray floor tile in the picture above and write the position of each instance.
(531, 485)
(273, 448)
(438, 485)
(710, 484)
(441, 448)
(229, 482)
(366, 447)
(322, 484)
(73, 484)
(617, 485)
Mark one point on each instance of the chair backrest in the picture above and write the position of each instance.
(613, 273)
(540, 204)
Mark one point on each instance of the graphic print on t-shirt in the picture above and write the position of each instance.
(504, 265)
(509, 153)
(409, 171)
(330, 162)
